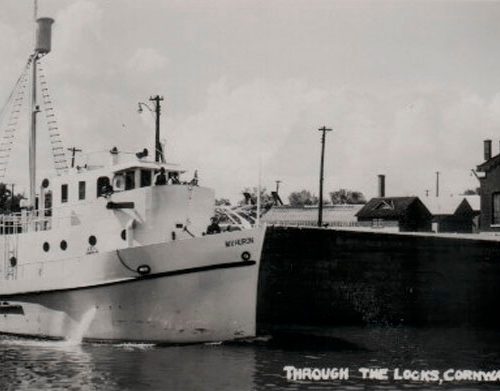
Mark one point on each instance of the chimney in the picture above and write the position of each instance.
(487, 149)
(381, 185)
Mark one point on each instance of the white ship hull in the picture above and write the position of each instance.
(197, 290)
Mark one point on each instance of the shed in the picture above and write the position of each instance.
(451, 214)
(406, 214)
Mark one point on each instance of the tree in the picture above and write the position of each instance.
(472, 191)
(344, 196)
(8, 201)
(302, 198)
(250, 197)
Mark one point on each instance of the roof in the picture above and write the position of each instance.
(474, 202)
(489, 164)
(442, 205)
(331, 213)
(386, 207)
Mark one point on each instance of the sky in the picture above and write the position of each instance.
(408, 87)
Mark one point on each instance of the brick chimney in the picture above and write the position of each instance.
(487, 150)
(381, 185)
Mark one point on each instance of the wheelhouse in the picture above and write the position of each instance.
(87, 185)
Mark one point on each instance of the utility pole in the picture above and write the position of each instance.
(158, 149)
(324, 129)
(437, 184)
(73, 151)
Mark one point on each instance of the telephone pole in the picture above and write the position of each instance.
(324, 129)
(73, 151)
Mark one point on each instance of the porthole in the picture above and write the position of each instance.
(45, 183)
(124, 235)
(13, 261)
(46, 246)
(63, 245)
(92, 240)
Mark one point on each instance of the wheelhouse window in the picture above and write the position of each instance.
(129, 180)
(81, 190)
(146, 178)
(103, 185)
(64, 193)
(496, 208)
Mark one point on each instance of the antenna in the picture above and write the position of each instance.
(35, 15)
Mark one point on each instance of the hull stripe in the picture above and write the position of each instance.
(179, 272)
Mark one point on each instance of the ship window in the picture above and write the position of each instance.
(81, 190)
(129, 180)
(145, 178)
(102, 185)
(46, 246)
(64, 193)
(64, 245)
(496, 208)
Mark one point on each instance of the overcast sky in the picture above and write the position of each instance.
(409, 87)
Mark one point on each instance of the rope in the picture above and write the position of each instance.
(16, 85)
(58, 151)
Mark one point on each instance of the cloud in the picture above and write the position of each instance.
(407, 134)
(147, 60)
(77, 40)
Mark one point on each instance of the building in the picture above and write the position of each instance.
(333, 215)
(452, 214)
(490, 190)
(404, 214)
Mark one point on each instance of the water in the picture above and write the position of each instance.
(76, 335)
(256, 365)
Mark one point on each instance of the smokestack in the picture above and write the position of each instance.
(381, 185)
(487, 149)
(43, 35)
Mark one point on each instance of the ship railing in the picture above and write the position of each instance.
(25, 221)
(34, 221)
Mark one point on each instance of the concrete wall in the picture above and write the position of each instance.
(329, 278)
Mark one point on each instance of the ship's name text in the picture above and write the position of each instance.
(239, 242)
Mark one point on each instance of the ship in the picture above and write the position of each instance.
(122, 251)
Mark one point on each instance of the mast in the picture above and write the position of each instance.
(42, 47)
(32, 137)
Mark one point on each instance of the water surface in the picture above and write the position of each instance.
(256, 365)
